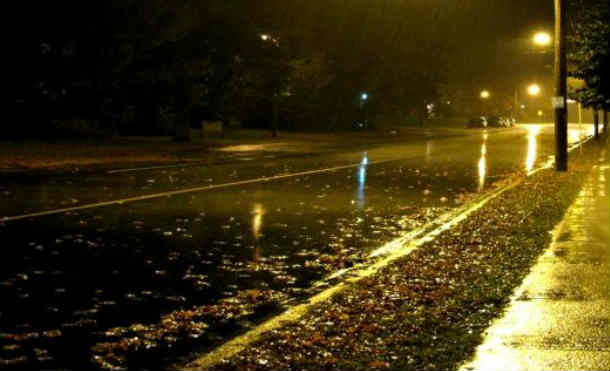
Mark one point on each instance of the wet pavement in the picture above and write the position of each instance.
(559, 319)
(74, 282)
(32, 192)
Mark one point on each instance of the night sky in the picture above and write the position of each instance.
(489, 42)
(492, 43)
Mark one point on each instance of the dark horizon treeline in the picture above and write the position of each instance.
(158, 66)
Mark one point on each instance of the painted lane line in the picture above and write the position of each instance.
(183, 164)
(186, 190)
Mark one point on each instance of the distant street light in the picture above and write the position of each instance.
(533, 89)
(542, 38)
(265, 37)
(485, 94)
(540, 113)
(364, 96)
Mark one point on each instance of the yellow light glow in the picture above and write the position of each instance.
(485, 94)
(257, 220)
(532, 147)
(542, 38)
(482, 166)
(575, 135)
(540, 113)
(533, 89)
(361, 178)
(264, 37)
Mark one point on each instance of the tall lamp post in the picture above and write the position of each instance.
(560, 106)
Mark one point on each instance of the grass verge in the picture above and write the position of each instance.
(429, 310)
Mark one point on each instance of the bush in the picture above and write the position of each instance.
(76, 128)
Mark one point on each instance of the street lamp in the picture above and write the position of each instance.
(485, 94)
(533, 89)
(542, 39)
(364, 96)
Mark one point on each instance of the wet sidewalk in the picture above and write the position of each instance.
(559, 318)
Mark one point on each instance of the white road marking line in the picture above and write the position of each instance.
(183, 164)
(183, 191)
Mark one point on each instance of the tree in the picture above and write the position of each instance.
(588, 52)
(134, 63)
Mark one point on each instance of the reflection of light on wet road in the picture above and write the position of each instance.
(257, 220)
(257, 225)
(365, 159)
(532, 147)
(577, 133)
(428, 150)
(603, 186)
(483, 163)
(362, 179)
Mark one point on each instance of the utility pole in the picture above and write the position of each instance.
(560, 106)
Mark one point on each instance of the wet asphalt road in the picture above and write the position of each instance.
(85, 271)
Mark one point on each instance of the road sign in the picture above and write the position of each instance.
(559, 102)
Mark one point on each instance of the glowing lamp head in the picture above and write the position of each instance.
(533, 89)
(485, 94)
(542, 38)
(364, 96)
(540, 113)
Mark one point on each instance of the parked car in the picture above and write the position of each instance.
(494, 122)
(507, 122)
(362, 124)
(478, 123)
